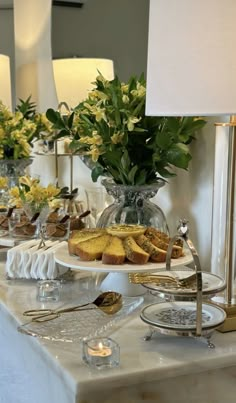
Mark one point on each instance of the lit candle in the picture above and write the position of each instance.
(99, 351)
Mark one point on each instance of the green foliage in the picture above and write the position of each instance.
(110, 127)
(27, 108)
(19, 129)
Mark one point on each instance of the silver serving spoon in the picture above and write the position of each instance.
(109, 302)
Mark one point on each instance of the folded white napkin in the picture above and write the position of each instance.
(27, 261)
(14, 258)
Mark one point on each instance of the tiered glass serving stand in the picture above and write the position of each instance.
(185, 311)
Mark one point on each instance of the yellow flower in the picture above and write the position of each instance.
(95, 94)
(94, 152)
(96, 139)
(117, 138)
(125, 99)
(52, 191)
(140, 92)
(102, 79)
(3, 182)
(124, 87)
(131, 122)
(28, 181)
(14, 192)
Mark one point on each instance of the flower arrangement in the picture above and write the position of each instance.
(110, 129)
(30, 192)
(19, 129)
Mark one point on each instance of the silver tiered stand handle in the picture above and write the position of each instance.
(183, 234)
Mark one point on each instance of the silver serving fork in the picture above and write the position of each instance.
(161, 279)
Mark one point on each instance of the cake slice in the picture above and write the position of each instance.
(156, 254)
(161, 241)
(133, 251)
(92, 249)
(78, 236)
(114, 252)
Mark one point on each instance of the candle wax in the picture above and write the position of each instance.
(100, 351)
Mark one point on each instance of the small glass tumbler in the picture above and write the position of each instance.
(101, 353)
(48, 290)
(3, 222)
(56, 231)
(21, 227)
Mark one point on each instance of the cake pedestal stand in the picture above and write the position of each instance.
(117, 278)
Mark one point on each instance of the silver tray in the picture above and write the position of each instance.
(179, 318)
(75, 326)
(211, 284)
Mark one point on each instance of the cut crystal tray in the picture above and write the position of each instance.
(75, 326)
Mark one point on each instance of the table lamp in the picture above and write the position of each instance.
(191, 71)
(74, 77)
(5, 81)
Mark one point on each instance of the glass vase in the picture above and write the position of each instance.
(132, 205)
(13, 169)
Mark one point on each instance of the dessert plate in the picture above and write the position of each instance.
(63, 257)
(181, 316)
(211, 284)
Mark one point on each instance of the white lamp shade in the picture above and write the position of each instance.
(5, 81)
(74, 77)
(191, 66)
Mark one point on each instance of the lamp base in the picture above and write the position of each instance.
(229, 324)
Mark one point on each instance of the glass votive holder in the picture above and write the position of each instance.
(48, 290)
(101, 353)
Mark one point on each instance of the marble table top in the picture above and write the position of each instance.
(161, 358)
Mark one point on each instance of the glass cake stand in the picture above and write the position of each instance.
(117, 278)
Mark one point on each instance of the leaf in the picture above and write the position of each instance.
(165, 173)
(173, 124)
(163, 140)
(131, 174)
(179, 156)
(70, 120)
(55, 118)
(96, 172)
(125, 161)
(141, 177)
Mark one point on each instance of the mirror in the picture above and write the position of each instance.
(113, 29)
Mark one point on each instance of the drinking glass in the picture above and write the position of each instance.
(97, 201)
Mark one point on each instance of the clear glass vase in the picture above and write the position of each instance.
(13, 169)
(132, 205)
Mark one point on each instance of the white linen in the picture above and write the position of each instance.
(27, 261)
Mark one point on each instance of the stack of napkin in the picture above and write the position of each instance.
(27, 261)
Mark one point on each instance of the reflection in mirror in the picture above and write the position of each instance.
(109, 29)
(7, 37)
